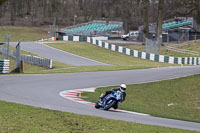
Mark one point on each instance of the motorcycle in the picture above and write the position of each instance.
(111, 100)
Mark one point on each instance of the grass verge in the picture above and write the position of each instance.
(25, 33)
(22, 119)
(29, 68)
(118, 61)
(163, 50)
(176, 98)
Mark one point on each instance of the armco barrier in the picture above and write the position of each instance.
(47, 63)
(4, 66)
(37, 61)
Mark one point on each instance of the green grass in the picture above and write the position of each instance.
(163, 51)
(153, 98)
(119, 61)
(56, 65)
(29, 68)
(25, 33)
(195, 47)
(23, 119)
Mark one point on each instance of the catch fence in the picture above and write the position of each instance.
(152, 46)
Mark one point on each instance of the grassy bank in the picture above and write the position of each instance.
(194, 47)
(117, 60)
(177, 98)
(29, 68)
(22, 119)
(25, 33)
(163, 51)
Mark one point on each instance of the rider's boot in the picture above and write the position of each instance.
(101, 96)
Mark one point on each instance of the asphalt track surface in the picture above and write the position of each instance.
(42, 90)
(56, 54)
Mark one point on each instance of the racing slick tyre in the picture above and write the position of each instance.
(97, 106)
(109, 105)
(115, 106)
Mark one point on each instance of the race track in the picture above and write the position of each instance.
(42, 90)
(56, 54)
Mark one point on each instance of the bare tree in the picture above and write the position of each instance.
(88, 9)
(126, 13)
(160, 20)
(13, 12)
(146, 18)
(1, 1)
(132, 12)
(189, 8)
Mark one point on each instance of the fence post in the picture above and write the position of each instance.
(18, 58)
(22, 66)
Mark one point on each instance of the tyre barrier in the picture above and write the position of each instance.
(4, 66)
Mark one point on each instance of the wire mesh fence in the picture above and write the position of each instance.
(152, 46)
(5, 48)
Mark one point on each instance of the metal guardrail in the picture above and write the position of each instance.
(47, 63)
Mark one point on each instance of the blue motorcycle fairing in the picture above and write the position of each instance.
(115, 96)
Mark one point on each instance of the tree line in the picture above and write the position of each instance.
(67, 12)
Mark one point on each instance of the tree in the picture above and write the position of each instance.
(160, 19)
(2, 1)
(146, 18)
(133, 13)
(126, 13)
(189, 8)
(89, 9)
(13, 12)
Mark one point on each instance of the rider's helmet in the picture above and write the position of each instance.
(123, 87)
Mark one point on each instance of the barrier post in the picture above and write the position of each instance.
(22, 66)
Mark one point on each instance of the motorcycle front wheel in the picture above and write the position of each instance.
(109, 105)
(97, 106)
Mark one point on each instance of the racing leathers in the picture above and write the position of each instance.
(114, 90)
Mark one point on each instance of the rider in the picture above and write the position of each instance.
(122, 88)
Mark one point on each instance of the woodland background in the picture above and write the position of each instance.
(62, 12)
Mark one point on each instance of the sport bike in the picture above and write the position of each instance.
(111, 100)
